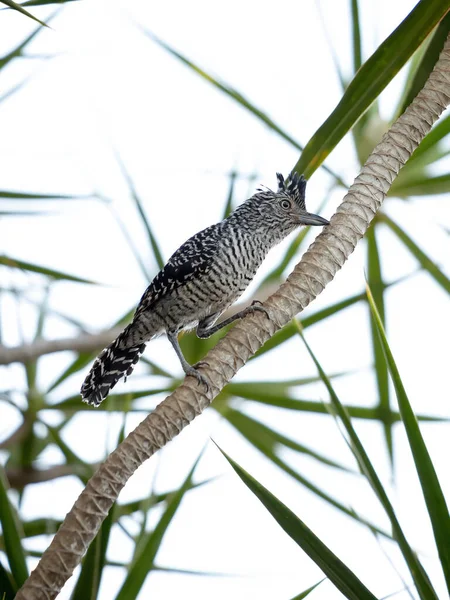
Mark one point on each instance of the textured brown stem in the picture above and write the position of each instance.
(18, 478)
(82, 343)
(316, 268)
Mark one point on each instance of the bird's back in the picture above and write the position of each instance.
(204, 276)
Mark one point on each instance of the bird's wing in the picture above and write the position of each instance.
(193, 258)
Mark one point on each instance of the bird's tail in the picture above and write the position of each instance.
(115, 361)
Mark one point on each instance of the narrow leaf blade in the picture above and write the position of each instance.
(232, 93)
(307, 592)
(418, 574)
(431, 488)
(370, 80)
(140, 208)
(427, 63)
(381, 372)
(336, 571)
(19, 8)
(15, 263)
(425, 262)
(12, 534)
(145, 561)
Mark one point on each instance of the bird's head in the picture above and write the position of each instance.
(286, 208)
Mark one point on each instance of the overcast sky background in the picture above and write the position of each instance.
(107, 88)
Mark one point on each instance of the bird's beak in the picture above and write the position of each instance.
(310, 219)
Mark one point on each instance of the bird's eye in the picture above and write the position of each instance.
(285, 204)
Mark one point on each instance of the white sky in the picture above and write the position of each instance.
(108, 87)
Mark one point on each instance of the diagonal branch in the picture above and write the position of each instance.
(316, 269)
(85, 342)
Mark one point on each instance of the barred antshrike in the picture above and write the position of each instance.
(202, 279)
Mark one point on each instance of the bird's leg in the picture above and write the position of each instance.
(205, 327)
(187, 368)
(204, 330)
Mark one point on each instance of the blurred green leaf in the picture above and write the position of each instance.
(23, 213)
(15, 88)
(268, 440)
(313, 406)
(85, 470)
(51, 311)
(159, 569)
(10, 195)
(2, 295)
(289, 330)
(232, 93)
(415, 171)
(49, 526)
(39, 442)
(430, 141)
(84, 358)
(136, 505)
(18, 7)
(12, 534)
(156, 369)
(308, 591)
(42, 315)
(35, 527)
(336, 571)
(425, 262)
(15, 263)
(140, 208)
(426, 65)
(229, 204)
(420, 184)
(7, 587)
(116, 402)
(18, 51)
(381, 373)
(356, 36)
(30, 443)
(144, 562)
(371, 79)
(195, 348)
(44, 2)
(331, 49)
(431, 488)
(253, 389)
(311, 486)
(418, 574)
(130, 241)
(412, 70)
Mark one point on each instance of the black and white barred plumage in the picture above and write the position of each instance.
(202, 279)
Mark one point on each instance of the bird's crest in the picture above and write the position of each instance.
(294, 186)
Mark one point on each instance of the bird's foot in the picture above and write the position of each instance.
(192, 370)
(256, 306)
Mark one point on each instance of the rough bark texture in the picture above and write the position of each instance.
(316, 268)
(82, 343)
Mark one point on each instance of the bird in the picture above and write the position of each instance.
(203, 278)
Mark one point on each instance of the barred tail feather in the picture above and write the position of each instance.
(115, 361)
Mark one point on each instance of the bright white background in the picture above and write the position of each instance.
(99, 87)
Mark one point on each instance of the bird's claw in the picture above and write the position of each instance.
(256, 306)
(200, 363)
(194, 373)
